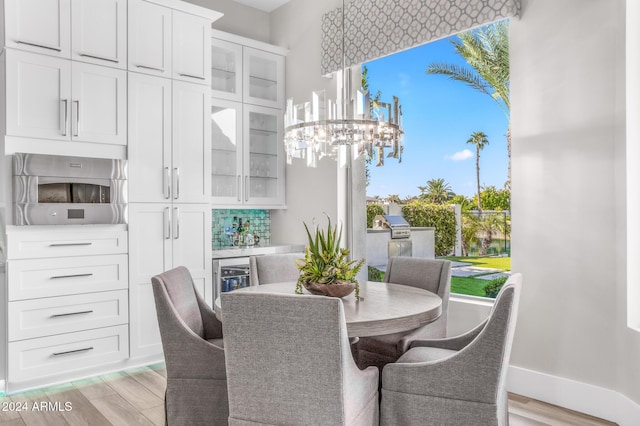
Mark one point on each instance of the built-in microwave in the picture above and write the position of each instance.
(61, 190)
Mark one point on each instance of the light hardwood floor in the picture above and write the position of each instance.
(135, 397)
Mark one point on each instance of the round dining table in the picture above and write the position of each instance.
(382, 309)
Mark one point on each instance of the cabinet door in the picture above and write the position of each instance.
(150, 253)
(264, 156)
(99, 104)
(263, 78)
(38, 99)
(226, 152)
(191, 146)
(191, 48)
(192, 244)
(99, 32)
(226, 70)
(149, 38)
(41, 26)
(149, 147)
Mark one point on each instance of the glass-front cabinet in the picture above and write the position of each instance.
(226, 70)
(263, 78)
(247, 155)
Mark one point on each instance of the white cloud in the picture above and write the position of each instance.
(465, 154)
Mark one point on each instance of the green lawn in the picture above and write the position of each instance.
(474, 286)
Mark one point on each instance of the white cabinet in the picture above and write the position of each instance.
(99, 32)
(149, 38)
(191, 48)
(247, 155)
(41, 26)
(263, 78)
(163, 236)
(59, 99)
(169, 141)
(85, 30)
(169, 43)
(226, 70)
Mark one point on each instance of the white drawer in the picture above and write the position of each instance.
(55, 355)
(37, 278)
(37, 242)
(65, 314)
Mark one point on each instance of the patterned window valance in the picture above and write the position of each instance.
(375, 28)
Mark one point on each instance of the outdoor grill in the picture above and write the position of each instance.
(399, 227)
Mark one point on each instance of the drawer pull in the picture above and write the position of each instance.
(115, 61)
(150, 68)
(57, 49)
(71, 313)
(69, 244)
(73, 351)
(191, 76)
(55, 277)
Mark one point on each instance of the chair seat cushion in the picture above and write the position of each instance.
(217, 342)
(425, 354)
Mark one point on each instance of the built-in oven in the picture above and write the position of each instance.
(62, 190)
(230, 274)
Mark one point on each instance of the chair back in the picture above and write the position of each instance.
(286, 356)
(176, 285)
(274, 268)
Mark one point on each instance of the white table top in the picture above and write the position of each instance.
(385, 308)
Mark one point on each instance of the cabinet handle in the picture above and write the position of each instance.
(166, 187)
(191, 76)
(55, 277)
(176, 175)
(72, 351)
(77, 103)
(239, 188)
(150, 68)
(115, 61)
(57, 49)
(176, 222)
(69, 244)
(71, 313)
(64, 114)
(167, 222)
(246, 188)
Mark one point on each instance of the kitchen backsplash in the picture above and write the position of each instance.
(222, 218)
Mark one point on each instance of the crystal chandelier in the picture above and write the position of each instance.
(316, 128)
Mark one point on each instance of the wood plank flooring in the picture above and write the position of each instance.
(135, 397)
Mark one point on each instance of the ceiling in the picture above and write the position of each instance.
(264, 5)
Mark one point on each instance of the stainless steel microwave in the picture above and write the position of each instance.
(61, 190)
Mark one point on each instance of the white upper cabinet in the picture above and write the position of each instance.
(226, 152)
(150, 38)
(99, 32)
(59, 99)
(42, 26)
(263, 78)
(93, 31)
(191, 143)
(191, 48)
(226, 70)
(149, 148)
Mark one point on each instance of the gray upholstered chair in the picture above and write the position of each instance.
(272, 268)
(289, 363)
(193, 352)
(458, 380)
(428, 274)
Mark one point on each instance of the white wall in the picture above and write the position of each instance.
(567, 88)
(238, 19)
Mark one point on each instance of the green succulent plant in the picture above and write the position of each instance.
(325, 261)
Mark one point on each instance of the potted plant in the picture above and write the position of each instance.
(326, 268)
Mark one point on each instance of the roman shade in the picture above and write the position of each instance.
(375, 28)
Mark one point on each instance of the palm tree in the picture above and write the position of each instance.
(393, 198)
(438, 191)
(479, 139)
(487, 52)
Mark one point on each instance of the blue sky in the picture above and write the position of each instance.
(439, 115)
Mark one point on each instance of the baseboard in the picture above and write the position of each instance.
(585, 398)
